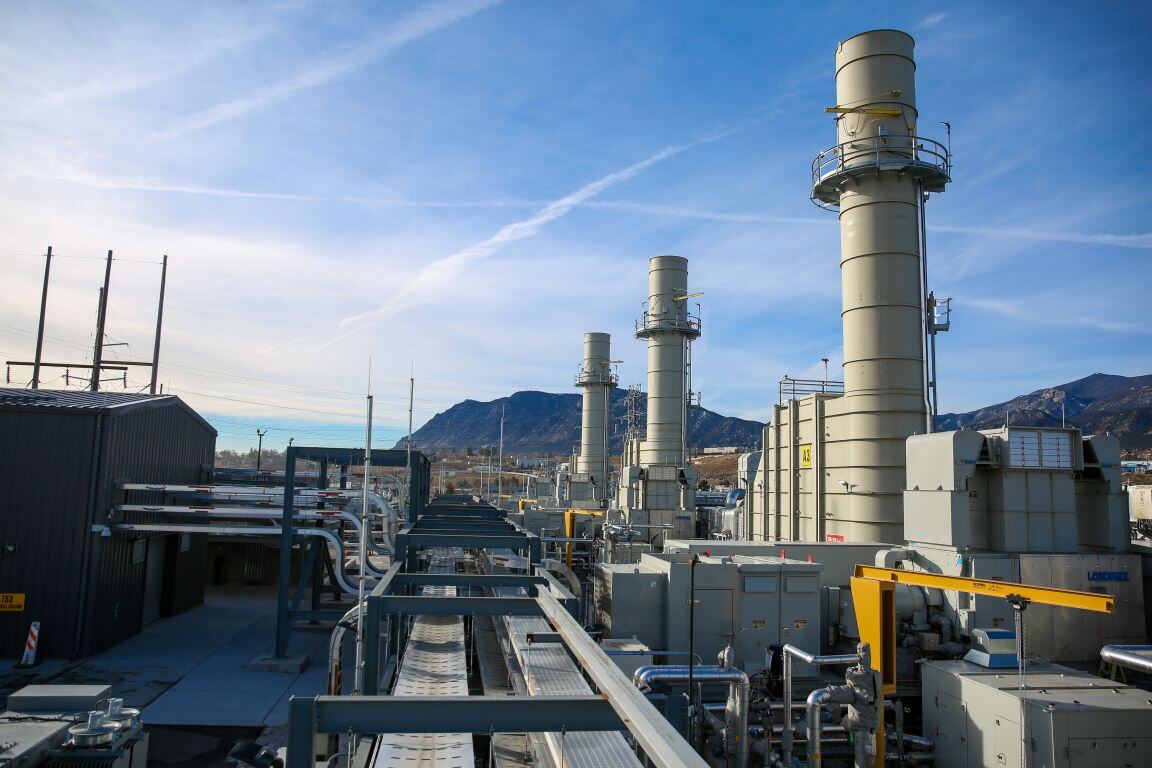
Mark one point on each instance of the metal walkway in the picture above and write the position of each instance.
(434, 664)
(548, 670)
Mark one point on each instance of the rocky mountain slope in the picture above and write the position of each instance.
(546, 424)
(1097, 404)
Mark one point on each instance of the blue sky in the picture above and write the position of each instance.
(463, 188)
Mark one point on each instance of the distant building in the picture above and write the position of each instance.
(720, 450)
(535, 463)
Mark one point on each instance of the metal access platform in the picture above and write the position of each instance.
(414, 622)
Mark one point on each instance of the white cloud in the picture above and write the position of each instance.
(415, 25)
(1135, 240)
(932, 20)
(428, 283)
(140, 184)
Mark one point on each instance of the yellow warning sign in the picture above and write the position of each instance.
(11, 601)
(806, 455)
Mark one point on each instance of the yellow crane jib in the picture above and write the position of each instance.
(1063, 598)
(874, 595)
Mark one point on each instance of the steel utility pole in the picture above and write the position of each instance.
(408, 442)
(500, 460)
(101, 315)
(260, 446)
(40, 329)
(363, 553)
(159, 324)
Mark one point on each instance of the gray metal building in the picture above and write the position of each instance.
(62, 453)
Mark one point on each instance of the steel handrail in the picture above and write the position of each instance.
(883, 150)
(649, 322)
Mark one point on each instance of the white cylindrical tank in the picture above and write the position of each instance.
(596, 379)
(877, 188)
(668, 326)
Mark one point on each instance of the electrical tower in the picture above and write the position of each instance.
(633, 414)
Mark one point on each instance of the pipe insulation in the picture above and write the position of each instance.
(1138, 657)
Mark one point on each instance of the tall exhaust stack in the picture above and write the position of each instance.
(878, 176)
(597, 380)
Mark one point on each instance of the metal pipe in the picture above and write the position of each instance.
(691, 623)
(790, 652)
(833, 694)
(1138, 657)
(247, 513)
(920, 743)
(735, 711)
(242, 530)
(336, 649)
(817, 699)
(921, 240)
(362, 551)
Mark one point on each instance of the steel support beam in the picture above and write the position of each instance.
(308, 716)
(465, 531)
(464, 714)
(473, 525)
(436, 605)
(464, 538)
(468, 579)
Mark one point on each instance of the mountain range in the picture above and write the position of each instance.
(1097, 404)
(545, 423)
(548, 424)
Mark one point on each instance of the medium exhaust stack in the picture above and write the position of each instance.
(657, 491)
(878, 177)
(668, 327)
(597, 380)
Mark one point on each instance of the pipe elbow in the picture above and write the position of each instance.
(887, 558)
(642, 677)
(819, 697)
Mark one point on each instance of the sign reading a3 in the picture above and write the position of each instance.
(806, 455)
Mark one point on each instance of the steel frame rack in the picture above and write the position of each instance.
(617, 705)
(419, 485)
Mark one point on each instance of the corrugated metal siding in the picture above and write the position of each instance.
(46, 513)
(163, 444)
(45, 471)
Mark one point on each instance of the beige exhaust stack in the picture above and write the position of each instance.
(877, 176)
(597, 380)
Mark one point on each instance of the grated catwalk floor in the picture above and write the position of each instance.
(434, 664)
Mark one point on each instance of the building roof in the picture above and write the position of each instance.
(84, 401)
(70, 398)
